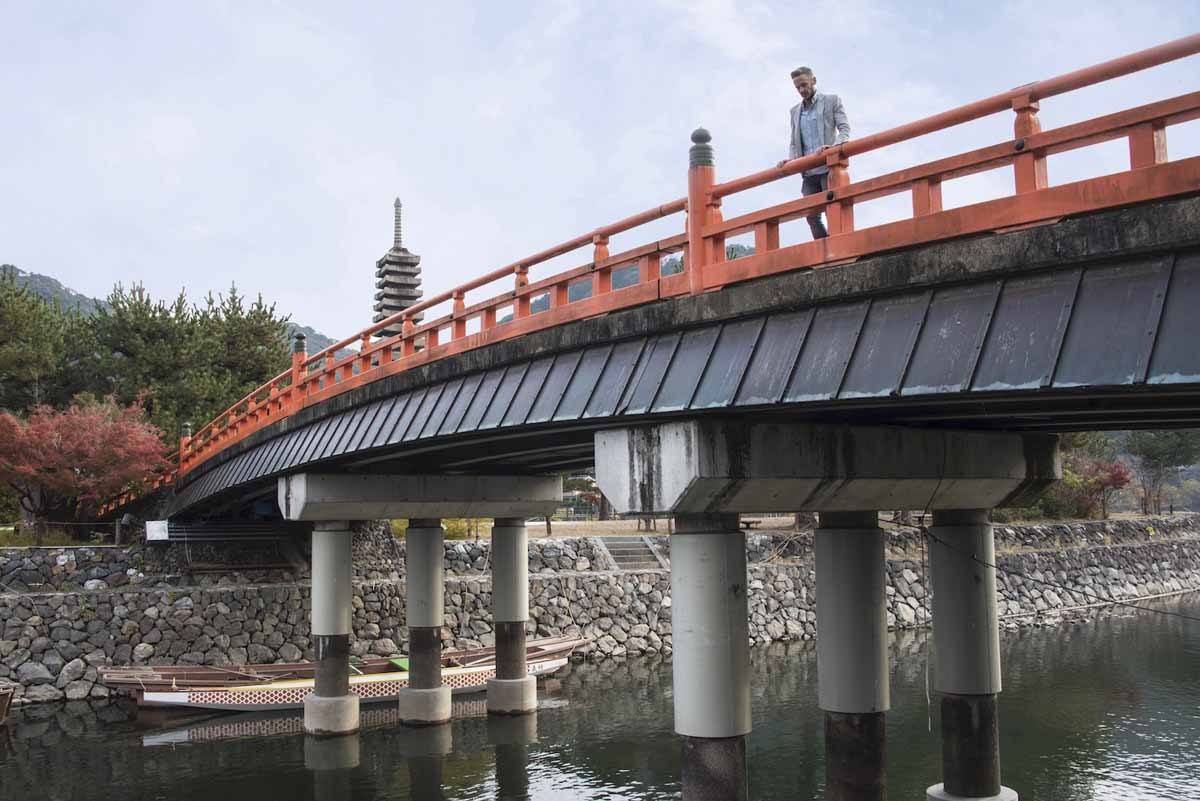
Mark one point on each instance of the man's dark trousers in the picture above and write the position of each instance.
(812, 185)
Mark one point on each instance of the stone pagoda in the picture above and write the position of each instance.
(397, 280)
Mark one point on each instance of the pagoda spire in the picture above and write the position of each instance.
(397, 237)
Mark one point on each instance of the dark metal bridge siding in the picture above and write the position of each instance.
(1128, 323)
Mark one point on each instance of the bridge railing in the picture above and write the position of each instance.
(590, 290)
(1144, 127)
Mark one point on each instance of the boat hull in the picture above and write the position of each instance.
(371, 689)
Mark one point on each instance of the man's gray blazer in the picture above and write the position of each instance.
(836, 127)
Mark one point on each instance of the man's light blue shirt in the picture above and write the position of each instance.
(812, 134)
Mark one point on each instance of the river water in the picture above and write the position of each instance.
(1101, 708)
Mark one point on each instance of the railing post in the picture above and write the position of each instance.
(299, 356)
(364, 359)
(185, 439)
(521, 280)
(649, 267)
(716, 243)
(603, 274)
(926, 196)
(701, 177)
(1029, 167)
(1147, 145)
(766, 236)
(599, 247)
(407, 346)
(840, 212)
(460, 325)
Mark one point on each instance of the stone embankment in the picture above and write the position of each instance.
(55, 630)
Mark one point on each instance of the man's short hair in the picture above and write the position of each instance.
(796, 73)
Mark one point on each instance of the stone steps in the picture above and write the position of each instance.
(631, 553)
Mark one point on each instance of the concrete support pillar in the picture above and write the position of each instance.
(513, 691)
(699, 469)
(331, 709)
(852, 659)
(425, 701)
(966, 643)
(711, 661)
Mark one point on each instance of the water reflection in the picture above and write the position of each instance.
(331, 759)
(510, 738)
(425, 750)
(1099, 709)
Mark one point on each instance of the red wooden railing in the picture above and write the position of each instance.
(316, 378)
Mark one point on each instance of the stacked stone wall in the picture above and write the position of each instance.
(379, 555)
(52, 642)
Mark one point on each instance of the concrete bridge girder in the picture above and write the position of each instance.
(348, 496)
(721, 466)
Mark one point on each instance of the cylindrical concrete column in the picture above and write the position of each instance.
(332, 709)
(852, 659)
(513, 691)
(966, 642)
(425, 701)
(711, 659)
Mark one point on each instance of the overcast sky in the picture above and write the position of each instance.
(199, 144)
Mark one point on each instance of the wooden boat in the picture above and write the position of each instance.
(6, 696)
(283, 686)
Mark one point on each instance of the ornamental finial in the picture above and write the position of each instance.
(700, 154)
(397, 239)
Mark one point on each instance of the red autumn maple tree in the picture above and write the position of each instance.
(64, 463)
(1108, 478)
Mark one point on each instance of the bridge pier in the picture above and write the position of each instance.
(852, 658)
(425, 701)
(706, 471)
(966, 642)
(331, 709)
(424, 500)
(513, 691)
(711, 659)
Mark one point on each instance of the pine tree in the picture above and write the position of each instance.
(31, 348)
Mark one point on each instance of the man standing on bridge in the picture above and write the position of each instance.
(818, 123)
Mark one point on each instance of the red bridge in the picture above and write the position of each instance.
(912, 364)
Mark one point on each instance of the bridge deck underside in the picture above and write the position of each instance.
(1107, 343)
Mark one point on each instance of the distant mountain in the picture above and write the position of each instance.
(674, 264)
(53, 290)
(316, 340)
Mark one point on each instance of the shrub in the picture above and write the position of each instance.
(456, 528)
